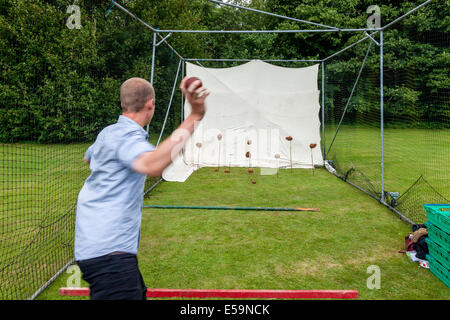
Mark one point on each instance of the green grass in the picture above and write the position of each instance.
(38, 193)
(408, 155)
(330, 249)
(213, 249)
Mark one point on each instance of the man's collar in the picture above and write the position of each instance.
(124, 119)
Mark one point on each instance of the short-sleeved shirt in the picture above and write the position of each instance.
(109, 206)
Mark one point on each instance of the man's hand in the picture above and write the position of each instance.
(195, 96)
(154, 162)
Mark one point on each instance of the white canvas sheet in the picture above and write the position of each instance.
(255, 101)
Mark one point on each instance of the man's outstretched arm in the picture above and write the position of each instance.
(153, 163)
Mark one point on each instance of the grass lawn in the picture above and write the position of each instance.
(206, 249)
(38, 192)
(408, 155)
(330, 249)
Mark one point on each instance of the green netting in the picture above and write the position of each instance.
(55, 96)
(352, 116)
(416, 116)
(417, 112)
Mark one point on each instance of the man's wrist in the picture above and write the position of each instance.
(197, 116)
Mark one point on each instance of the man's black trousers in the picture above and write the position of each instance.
(114, 277)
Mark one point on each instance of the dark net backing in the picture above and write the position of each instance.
(55, 97)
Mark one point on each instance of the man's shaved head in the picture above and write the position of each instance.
(135, 93)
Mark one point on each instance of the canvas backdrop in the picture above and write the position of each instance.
(254, 107)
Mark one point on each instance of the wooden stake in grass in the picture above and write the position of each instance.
(198, 145)
(248, 156)
(250, 169)
(219, 137)
(228, 170)
(289, 138)
(277, 156)
(312, 146)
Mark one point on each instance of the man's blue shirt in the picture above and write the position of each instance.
(109, 206)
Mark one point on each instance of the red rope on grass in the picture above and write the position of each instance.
(238, 294)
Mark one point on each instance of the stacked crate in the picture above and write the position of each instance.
(438, 227)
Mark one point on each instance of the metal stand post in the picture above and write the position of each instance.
(323, 111)
(153, 66)
(382, 117)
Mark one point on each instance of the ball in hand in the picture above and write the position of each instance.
(191, 80)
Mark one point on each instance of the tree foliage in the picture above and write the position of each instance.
(61, 85)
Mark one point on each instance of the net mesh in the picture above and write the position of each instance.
(40, 183)
(352, 116)
(50, 116)
(416, 137)
(417, 112)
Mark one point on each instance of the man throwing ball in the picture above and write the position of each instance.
(109, 206)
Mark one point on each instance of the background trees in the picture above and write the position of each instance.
(61, 85)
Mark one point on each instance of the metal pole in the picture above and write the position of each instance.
(382, 115)
(153, 186)
(170, 102)
(182, 95)
(269, 31)
(246, 60)
(350, 46)
(378, 30)
(405, 15)
(401, 216)
(148, 26)
(164, 39)
(153, 58)
(153, 67)
(323, 111)
(350, 97)
(270, 14)
(45, 286)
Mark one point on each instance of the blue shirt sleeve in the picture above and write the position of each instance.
(88, 153)
(133, 146)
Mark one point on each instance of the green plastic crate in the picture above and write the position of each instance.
(437, 235)
(439, 270)
(439, 253)
(439, 215)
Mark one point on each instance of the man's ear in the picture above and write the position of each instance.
(151, 103)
